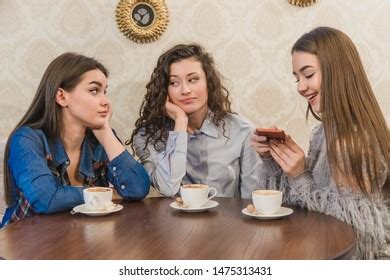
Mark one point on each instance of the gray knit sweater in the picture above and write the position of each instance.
(316, 191)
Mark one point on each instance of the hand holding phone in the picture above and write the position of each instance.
(271, 133)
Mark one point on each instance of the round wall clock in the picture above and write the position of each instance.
(302, 3)
(142, 21)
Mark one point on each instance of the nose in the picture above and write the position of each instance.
(302, 86)
(105, 102)
(185, 88)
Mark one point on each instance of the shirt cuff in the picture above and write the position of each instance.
(120, 160)
(128, 176)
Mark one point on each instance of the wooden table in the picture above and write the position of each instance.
(150, 229)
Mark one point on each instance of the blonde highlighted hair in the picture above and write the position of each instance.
(357, 136)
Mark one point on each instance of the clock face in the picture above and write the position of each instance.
(143, 15)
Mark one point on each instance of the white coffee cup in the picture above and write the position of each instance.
(97, 198)
(267, 201)
(196, 195)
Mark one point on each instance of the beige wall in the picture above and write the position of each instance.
(249, 39)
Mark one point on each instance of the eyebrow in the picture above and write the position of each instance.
(97, 83)
(304, 68)
(192, 73)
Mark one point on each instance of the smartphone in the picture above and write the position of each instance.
(271, 133)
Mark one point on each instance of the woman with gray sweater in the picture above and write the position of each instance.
(345, 172)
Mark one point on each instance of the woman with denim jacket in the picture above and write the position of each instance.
(64, 143)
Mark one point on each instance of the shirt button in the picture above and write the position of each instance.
(123, 187)
(114, 168)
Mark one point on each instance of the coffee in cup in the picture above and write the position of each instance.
(196, 195)
(267, 202)
(97, 198)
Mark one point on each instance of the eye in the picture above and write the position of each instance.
(173, 83)
(193, 80)
(309, 76)
(94, 91)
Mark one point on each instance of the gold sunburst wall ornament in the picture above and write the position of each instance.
(302, 3)
(142, 21)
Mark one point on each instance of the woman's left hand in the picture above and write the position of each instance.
(105, 130)
(289, 156)
(107, 138)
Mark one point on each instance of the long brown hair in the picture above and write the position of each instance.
(152, 116)
(44, 113)
(357, 136)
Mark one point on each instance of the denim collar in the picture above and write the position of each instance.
(59, 156)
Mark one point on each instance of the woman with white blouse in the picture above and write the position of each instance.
(187, 132)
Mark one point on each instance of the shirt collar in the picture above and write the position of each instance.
(208, 127)
(59, 156)
(57, 152)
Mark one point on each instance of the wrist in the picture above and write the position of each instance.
(181, 123)
(295, 174)
(105, 136)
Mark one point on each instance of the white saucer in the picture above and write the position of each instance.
(208, 205)
(84, 210)
(282, 212)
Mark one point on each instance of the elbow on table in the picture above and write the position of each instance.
(139, 191)
(167, 192)
(142, 191)
(42, 208)
(45, 211)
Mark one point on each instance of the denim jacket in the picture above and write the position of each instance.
(40, 183)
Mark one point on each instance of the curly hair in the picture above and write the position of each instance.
(152, 118)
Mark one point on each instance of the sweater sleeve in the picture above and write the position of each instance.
(370, 217)
(316, 190)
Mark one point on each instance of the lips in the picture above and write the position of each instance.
(310, 97)
(187, 100)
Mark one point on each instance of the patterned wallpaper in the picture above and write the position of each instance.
(249, 39)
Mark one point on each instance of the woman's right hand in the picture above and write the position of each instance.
(173, 111)
(177, 114)
(261, 144)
